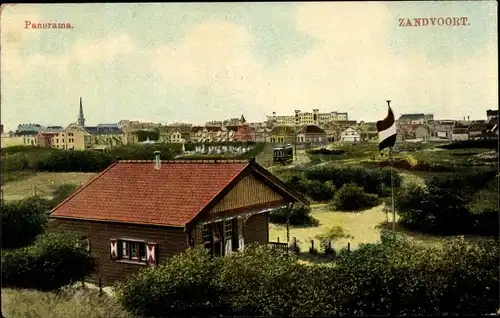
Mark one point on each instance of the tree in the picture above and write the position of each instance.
(22, 221)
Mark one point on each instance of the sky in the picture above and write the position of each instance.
(196, 62)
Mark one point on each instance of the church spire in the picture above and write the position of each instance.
(81, 119)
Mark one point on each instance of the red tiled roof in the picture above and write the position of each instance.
(135, 192)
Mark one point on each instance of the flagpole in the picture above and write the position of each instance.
(392, 183)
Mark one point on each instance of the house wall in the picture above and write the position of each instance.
(248, 192)
(257, 229)
(170, 241)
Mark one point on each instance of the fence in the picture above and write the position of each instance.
(280, 246)
(313, 250)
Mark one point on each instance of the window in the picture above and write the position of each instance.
(207, 234)
(228, 228)
(134, 251)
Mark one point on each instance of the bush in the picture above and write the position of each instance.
(352, 198)
(324, 151)
(184, 286)
(58, 160)
(469, 199)
(456, 278)
(260, 282)
(61, 192)
(23, 220)
(372, 180)
(299, 215)
(435, 280)
(54, 260)
(334, 233)
(470, 144)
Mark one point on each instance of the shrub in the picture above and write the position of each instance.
(22, 221)
(469, 199)
(458, 278)
(68, 302)
(324, 151)
(61, 192)
(54, 260)
(184, 286)
(372, 180)
(317, 190)
(469, 144)
(352, 198)
(260, 282)
(334, 233)
(299, 215)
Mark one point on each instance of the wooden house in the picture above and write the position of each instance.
(140, 213)
(312, 134)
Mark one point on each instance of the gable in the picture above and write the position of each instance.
(247, 192)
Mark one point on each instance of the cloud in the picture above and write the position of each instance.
(350, 68)
(15, 38)
(92, 51)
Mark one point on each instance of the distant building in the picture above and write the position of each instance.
(460, 134)
(491, 114)
(282, 135)
(351, 134)
(174, 134)
(29, 128)
(306, 118)
(415, 119)
(73, 137)
(44, 139)
(311, 134)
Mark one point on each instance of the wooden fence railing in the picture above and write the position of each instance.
(281, 246)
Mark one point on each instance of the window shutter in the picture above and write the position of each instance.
(241, 240)
(151, 253)
(113, 249)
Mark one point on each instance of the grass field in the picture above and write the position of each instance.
(361, 226)
(71, 302)
(42, 183)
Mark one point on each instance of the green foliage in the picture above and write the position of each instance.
(372, 180)
(54, 260)
(299, 215)
(470, 144)
(23, 220)
(58, 160)
(184, 286)
(334, 233)
(61, 192)
(352, 198)
(457, 278)
(324, 151)
(455, 204)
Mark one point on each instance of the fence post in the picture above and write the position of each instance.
(278, 239)
(349, 247)
(100, 286)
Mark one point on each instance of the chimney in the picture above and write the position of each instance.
(157, 160)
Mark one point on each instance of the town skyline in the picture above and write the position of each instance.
(203, 62)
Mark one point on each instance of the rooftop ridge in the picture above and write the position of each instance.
(188, 161)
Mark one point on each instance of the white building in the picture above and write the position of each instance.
(306, 118)
(350, 135)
